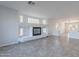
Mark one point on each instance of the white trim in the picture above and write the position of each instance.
(9, 43)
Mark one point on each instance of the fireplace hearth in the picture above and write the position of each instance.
(36, 31)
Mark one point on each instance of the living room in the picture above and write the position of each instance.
(44, 28)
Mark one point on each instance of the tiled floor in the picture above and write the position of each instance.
(45, 47)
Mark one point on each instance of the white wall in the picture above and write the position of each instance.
(8, 26)
(28, 29)
(52, 27)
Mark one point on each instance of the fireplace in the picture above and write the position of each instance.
(36, 31)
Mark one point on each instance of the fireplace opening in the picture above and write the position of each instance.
(36, 31)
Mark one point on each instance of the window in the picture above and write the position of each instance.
(73, 27)
(21, 19)
(32, 20)
(44, 30)
(44, 22)
(21, 31)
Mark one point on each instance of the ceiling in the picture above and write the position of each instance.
(45, 9)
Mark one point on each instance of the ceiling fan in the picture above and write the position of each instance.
(31, 3)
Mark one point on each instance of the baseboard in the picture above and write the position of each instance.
(7, 44)
(11, 43)
(74, 38)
